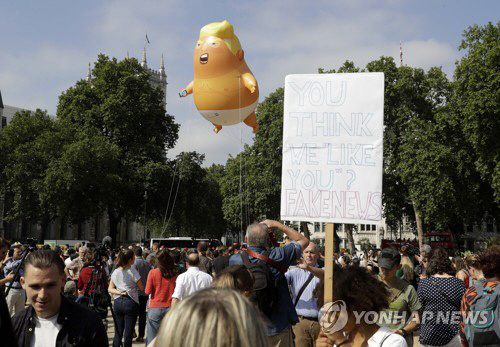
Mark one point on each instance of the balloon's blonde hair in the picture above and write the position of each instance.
(223, 30)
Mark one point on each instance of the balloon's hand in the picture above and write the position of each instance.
(250, 82)
(252, 87)
(183, 93)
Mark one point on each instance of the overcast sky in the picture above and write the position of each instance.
(46, 46)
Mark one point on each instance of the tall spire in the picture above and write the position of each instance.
(400, 54)
(162, 68)
(144, 62)
(89, 74)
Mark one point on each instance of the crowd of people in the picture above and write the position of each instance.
(258, 296)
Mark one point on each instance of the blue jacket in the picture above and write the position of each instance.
(284, 314)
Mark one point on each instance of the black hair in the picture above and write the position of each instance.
(359, 290)
(439, 263)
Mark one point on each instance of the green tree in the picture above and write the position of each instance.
(121, 105)
(29, 144)
(85, 170)
(427, 166)
(476, 98)
(195, 205)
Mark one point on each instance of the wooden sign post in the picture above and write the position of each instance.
(329, 249)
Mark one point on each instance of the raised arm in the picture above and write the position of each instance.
(316, 271)
(291, 233)
(188, 90)
(249, 81)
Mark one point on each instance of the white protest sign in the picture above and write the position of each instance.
(332, 148)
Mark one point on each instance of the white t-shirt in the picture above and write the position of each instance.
(126, 280)
(384, 337)
(46, 331)
(191, 281)
(67, 261)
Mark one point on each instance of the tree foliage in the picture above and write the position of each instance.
(120, 106)
(29, 144)
(476, 98)
(195, 206)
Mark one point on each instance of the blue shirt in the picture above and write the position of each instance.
(11, 267)
(283, 315)
(307, 305)
(143, 267)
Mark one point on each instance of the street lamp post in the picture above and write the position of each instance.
(145, 209)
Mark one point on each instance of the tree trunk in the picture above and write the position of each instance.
(305, 230)
(79, 232)
(62, 229)
(420, 227)
(97, 227)
(43, 232)
(7, 225)
(350, 238)
(113, 226)
(24, 229)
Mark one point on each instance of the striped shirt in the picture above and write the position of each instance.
(307, 305)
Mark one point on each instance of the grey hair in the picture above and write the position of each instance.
(426, 248)
(257, 235)
(213, 318)
(70, 287)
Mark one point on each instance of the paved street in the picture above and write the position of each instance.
(111, 331)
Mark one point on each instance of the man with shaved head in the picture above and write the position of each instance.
(190, 281)
(302, 282)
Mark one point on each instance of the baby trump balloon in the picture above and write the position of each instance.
(224, 89)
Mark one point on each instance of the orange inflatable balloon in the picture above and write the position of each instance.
(225, 90)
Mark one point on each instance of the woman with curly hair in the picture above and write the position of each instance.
(489, 262)
(440, 296)
(358, 298)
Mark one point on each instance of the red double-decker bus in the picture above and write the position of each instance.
(442, 239)
(435, 239)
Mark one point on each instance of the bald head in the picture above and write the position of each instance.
(311, 254)
(312, 247)
(257, 235)
(193, 260)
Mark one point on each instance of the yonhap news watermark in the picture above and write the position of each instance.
(333, 317)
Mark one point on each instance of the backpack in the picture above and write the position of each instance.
(98, 299)
(482, 325)
(265, 285)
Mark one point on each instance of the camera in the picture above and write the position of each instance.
(31, 242)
